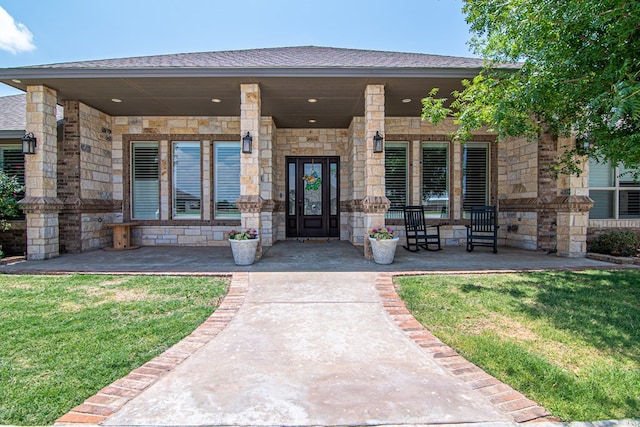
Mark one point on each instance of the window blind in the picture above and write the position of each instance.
(145, 187)
(186, 179)
(600, 174)
(12, 162)
(435, 179)
(475, 179)
(227, 179)
(395, 177)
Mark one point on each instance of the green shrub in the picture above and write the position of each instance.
(9, 190)
(616, 243)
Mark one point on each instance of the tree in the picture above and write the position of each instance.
(568, 67)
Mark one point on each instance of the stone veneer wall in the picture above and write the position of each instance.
(416, 131)
(518, 181)
(308, 142)
(85, 180)
(167, 231)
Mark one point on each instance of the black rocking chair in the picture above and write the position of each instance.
(483, 228)
(418, 234)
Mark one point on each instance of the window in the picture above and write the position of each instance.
(145, 187)
(614, 191)
(186, 188)
(395, 177)
(227, 179)
(12, 161)
(475, 175)
(435, 179)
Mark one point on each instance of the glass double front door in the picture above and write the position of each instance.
(313, 199)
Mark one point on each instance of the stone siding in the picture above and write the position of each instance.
(308, 142)
(170, 231)
(518, 181)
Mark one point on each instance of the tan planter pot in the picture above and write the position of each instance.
(384, 250)
(244, 251)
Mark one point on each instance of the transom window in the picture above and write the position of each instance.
(614, 191)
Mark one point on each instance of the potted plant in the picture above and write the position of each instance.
(244, 245)
(383, 244)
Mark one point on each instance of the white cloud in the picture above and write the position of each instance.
(14, 37)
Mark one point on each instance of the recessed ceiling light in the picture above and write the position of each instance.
(216, 100)
(116, 100)
(312, 100)
(312, 120)
(16, 80)
(406, 100)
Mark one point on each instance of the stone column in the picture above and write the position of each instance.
(41, 203)
(375, 203)
(250, 202)
(573, 205)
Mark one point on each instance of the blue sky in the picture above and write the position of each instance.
(34, 32)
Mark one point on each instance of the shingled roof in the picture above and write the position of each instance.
(282, 57)
(12, 113)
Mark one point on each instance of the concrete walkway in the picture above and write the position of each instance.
(311, 334)
(321, 349)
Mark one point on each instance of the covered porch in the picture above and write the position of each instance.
(291, 255)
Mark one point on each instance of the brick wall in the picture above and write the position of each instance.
(85, 179)
(14, 240)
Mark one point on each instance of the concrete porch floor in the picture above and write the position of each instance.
(291, 255)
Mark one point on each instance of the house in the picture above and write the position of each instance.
(190, 146)
(12, 129)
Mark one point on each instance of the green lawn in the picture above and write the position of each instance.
(569, 340)
(63, 338)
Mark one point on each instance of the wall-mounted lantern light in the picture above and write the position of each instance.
(584, 144)
(246, 143)
(29, 143)
(377, 143)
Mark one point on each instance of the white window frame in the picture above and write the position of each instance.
(175, 214)
(487, 190)
(616, 189)
(216, 179)
(132, 197)
(399, 144)
(429, 214)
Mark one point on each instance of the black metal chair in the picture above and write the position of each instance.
(418, 234)
(483, 228)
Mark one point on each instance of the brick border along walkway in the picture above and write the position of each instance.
(110, 399)
(501, 395)
(113, 397)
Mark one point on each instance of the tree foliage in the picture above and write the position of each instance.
(562, 66)
(9, 190)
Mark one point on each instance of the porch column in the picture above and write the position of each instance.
(41, 203)
(250, 202)
(573, 205)
(375, 203)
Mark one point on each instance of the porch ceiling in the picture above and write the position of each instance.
(285, 98)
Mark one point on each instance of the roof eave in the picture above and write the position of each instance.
(174, 72)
